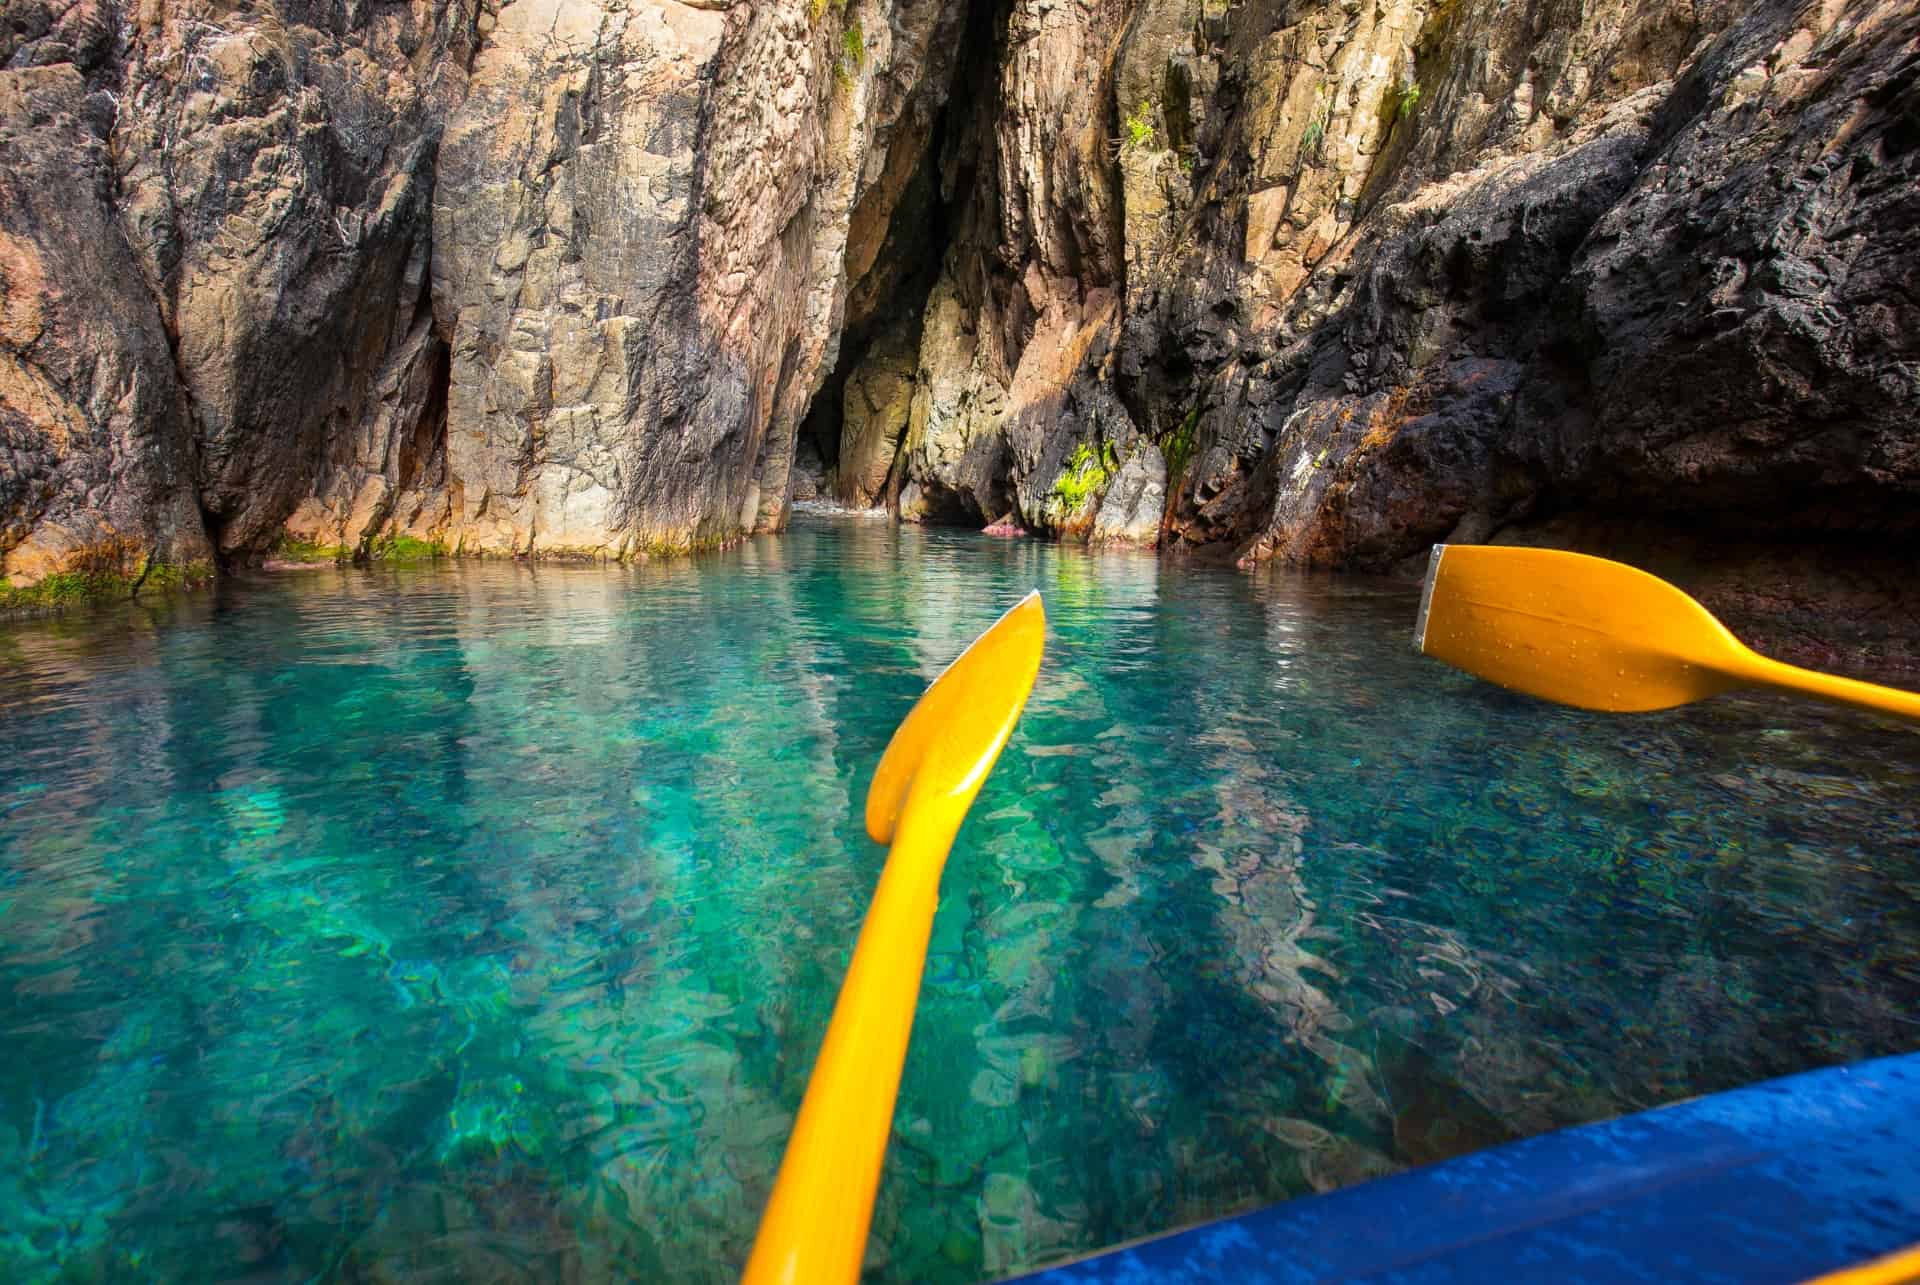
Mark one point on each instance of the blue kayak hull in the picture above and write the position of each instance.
(1780, 1181)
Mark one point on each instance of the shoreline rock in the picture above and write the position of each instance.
(566, 278)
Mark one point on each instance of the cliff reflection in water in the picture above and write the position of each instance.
(486, 919)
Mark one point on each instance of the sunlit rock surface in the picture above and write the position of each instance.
(95, 445)
(572, 277)
(549, 276)
(642, 246)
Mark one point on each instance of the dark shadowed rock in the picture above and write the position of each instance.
(274, 173)
(1398, 272)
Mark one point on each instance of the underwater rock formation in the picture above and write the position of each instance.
(1320, 281)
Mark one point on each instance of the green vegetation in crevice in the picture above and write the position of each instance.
(1401, 102)
(1314, 139)
(1138, 131)
(1177, 445)
(292, 548)
(1085, 475)
(852, 53)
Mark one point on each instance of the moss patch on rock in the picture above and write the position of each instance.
(164, 576)
(292, 548)
(1178, 445)
(1085, 475)
(407, 548)
(66, 589)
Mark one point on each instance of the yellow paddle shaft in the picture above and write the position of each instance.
(1762, 672)
(815, 1226)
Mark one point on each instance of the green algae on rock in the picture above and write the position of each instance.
(104, 569)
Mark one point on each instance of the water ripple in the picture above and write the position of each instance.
(483, 921)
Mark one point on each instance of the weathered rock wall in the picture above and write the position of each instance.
(1392, 271)
(96, 451)
(222, 210)
(647, 221)
(1029, 293)
(547, 276)
(1699, 304)
(1314, 280)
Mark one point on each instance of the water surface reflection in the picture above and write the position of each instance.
(483, 920)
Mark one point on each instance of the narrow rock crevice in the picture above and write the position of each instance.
(853, 429)
(855, 432)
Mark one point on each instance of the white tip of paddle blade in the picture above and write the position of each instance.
(1426, 599)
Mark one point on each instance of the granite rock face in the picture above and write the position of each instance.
(1699, 308)
(1027, 304)
(227, 208)
(1131, 509)
(1419, 264)
(878, 402)
(647, 221)
(274, 166)
(547, 276)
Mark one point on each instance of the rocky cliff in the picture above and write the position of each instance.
(1321, 281)
(1361, 276)
(553, 276)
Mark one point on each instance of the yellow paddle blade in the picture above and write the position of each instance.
(1601, 635)
(1901, 1268)
(815, 1227)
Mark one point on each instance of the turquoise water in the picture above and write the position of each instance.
(481, 922)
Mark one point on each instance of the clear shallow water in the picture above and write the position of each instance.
(482, 922)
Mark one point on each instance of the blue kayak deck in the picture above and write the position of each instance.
(1779, 1181)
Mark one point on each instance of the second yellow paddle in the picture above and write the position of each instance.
(1601, 635)
(815, 1229)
